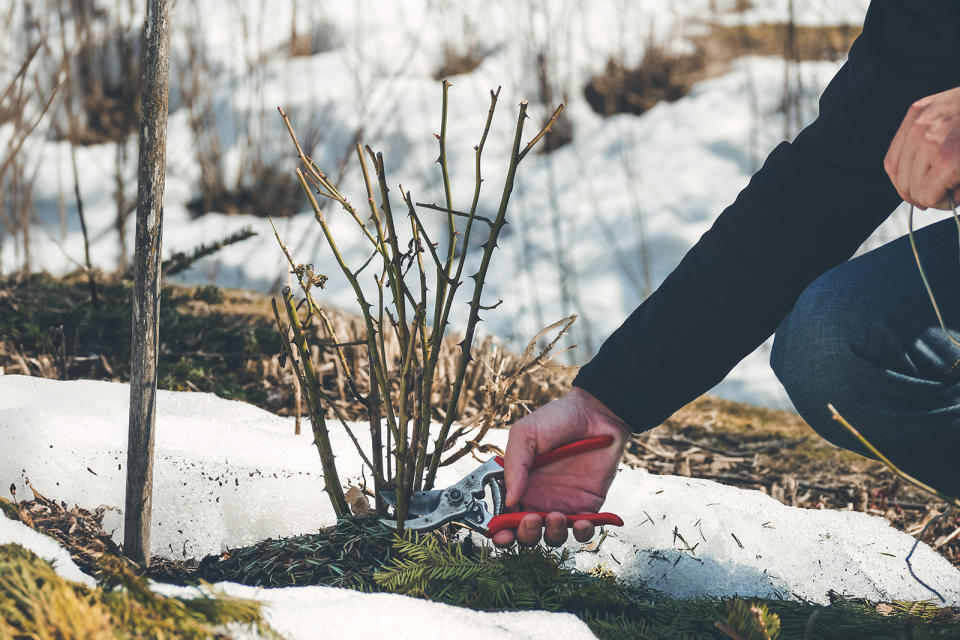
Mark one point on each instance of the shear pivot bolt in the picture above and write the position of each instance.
(454, 496)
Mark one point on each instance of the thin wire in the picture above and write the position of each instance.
(923, 275)
(936, 309)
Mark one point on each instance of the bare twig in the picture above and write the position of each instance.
(453, 212)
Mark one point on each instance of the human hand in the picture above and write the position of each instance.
(577, 484)
(923, 161)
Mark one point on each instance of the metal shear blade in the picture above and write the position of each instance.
(421, 503)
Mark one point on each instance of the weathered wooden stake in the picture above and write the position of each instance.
(146, 289)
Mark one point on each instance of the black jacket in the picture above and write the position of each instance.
(807, 209)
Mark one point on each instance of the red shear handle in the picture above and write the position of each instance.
(567, 450)
(512, 520)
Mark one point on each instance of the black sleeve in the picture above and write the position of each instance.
(806, 210)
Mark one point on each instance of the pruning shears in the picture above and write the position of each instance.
(465, 501)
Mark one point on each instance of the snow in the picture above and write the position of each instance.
(228, 474)
(307, 613)
(747, 543)
(632, 194)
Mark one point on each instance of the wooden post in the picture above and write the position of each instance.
(146, 289)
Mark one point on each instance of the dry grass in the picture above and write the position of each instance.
(666, 76)
(226, 341)
(457, 61)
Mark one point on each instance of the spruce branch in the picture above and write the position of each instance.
(181, 261)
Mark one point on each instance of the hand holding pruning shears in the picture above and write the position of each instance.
(575, 484)
(560, 459)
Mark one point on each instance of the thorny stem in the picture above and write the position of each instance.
(440, 326)
(443, 272)
(401, 292)
(314, 308)
(389, 262)
(321, 437)
(452, 230)
(361, 300)
(454, 212)
(307, 372)
(543, 132)
(478, 280)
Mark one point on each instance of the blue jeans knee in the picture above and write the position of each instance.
(864, 337)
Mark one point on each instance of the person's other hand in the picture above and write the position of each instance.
(577, 484)
(923, 161)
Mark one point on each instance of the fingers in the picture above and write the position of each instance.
(504, 538)
(554, 531)
(893, 159)
(934, 189)
(521, 450)
(920, 171)
(923, 161)
(908, 160)
(583, 530)
(529, 531)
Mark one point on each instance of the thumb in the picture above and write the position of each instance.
(517, 459)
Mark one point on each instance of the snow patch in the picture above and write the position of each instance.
(228, 474)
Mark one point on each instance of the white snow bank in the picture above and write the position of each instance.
(229, 474)
(47, 548)
(305, 613)
(744, 542)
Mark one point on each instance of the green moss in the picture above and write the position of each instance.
(209, 294)
(208, 336)
(37, 603)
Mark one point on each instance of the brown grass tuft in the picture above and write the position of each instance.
(669, 77)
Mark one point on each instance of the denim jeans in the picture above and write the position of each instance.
(864, 337)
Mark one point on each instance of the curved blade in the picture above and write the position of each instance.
(423, 523)
(421, 503)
